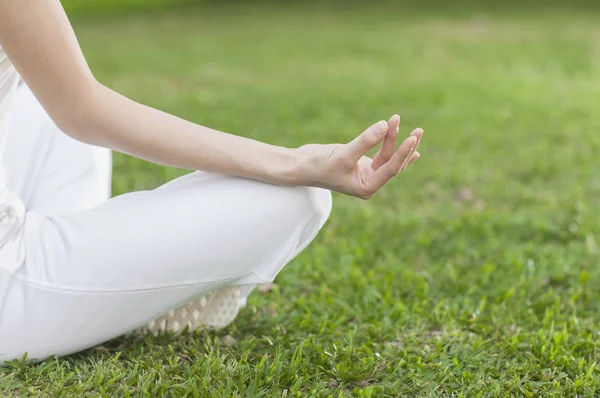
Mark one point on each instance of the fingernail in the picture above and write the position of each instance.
(382, 127)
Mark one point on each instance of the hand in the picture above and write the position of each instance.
(344, 168)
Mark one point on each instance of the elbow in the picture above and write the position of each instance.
(78, 129)
(75, 117)
(72, 125)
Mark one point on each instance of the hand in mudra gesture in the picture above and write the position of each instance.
(345, 168)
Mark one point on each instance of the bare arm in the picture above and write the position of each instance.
(40, 42)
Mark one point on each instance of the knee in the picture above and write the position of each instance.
(319, 204)
(322, 204)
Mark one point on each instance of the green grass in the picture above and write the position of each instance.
(474, 274)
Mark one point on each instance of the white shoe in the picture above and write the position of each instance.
(215, 310)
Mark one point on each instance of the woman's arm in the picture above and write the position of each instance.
(39, 40)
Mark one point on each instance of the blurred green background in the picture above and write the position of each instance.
(474, 274)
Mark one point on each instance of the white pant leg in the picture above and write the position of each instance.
(87, 277)
(51, 172)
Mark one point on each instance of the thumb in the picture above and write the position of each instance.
(366, 141)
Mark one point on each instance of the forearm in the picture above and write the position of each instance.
(114, 121)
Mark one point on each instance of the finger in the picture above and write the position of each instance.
(393, 166)
(359, 146)
(409, 156)
(418, 132)
(389, 143)
(414, 158)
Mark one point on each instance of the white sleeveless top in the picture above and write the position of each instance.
(11, 208)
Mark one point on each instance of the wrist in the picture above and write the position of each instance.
(307, 167)
(294, 167)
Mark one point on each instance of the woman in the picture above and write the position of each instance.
(77, 269)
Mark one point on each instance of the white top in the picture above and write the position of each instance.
(11, 208)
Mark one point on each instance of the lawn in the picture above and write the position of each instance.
(474, 274)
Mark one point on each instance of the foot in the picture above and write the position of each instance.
(214, 310)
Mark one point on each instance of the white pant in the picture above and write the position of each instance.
(81, 271)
